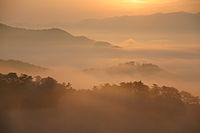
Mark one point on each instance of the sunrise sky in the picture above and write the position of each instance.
(63, 11)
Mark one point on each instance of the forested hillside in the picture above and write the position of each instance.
(44, 105)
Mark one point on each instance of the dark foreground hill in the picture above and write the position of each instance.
(43, 105)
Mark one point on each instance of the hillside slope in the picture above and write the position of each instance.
(20, 67)
(54, 36)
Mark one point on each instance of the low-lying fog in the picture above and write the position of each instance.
(67, 63)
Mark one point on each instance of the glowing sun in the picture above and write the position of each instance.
(138, 1)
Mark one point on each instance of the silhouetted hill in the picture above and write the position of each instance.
(20, 67)
(54, 36)
(131, 69)
(176, 22)
(43, 105)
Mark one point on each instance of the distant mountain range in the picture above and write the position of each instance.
(20, 67)
(54, 36)
(176, 22)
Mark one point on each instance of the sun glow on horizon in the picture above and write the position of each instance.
(68, 11)
(137, 1)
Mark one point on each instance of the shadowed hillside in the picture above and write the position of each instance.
(54, 36)
(19, 66)
(46, 36)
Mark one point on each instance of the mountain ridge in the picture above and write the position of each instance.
(12, 65)
(177, 22)
(56, 36)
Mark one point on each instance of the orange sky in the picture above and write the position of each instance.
(63, 11)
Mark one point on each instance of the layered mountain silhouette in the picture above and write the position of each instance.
(54, 36)
(19, 66)
(176, 22)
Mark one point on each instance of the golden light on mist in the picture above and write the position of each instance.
(66, 11)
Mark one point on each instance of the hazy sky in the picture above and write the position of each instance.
(64, 11)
